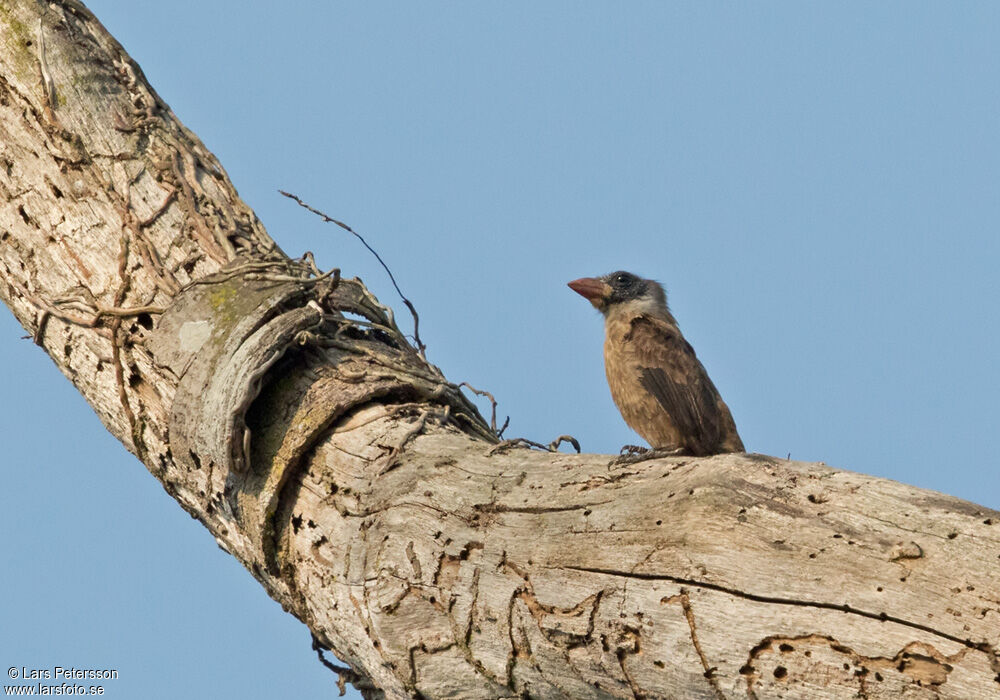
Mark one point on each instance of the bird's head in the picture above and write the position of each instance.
(622, 292)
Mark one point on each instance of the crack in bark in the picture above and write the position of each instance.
(414, 561)
(444, 579)
(117, 355)
(911, 530)
(391, 460)
(533, 510)
(621, 655)
(413, 660)
(564, 640)
(984, 647)
(466, 637)
(685, 602)
(515, 650)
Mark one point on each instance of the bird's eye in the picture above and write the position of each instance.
(622, 279)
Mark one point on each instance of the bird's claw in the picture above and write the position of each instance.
(630, 454)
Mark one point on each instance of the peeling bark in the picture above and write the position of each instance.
(368, 496)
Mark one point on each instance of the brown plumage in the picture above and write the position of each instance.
(656, 380)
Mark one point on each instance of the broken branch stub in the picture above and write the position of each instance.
(233, 334)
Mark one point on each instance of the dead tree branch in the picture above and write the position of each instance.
(364, 491)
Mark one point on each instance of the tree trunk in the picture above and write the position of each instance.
(368, 496)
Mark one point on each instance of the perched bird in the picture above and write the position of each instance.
(657, 382)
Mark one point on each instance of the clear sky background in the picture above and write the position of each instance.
(815, 184)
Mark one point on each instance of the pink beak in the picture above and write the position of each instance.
(590, 288)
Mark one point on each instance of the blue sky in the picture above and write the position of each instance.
(815, 184)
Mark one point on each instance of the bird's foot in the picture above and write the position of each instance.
(630, 454)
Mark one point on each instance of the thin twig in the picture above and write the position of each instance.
(344, 674)
(502, 447)
(53, 311)
(224, 251)
(127, 312)
(364, 323)
(310, 260)
(531, 444)
(493, 403)
(329, 219)
(418, 427)
(143, 223)
(554, 445)
(248, 271)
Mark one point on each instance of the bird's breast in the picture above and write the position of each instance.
(623, 362)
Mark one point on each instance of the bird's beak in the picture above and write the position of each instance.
(592, 289)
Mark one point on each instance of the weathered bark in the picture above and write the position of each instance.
(368, 496)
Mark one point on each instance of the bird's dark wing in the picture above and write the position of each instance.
(671, 372)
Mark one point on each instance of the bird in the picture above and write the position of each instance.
(660, 387)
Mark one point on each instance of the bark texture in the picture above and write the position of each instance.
(369, 497)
